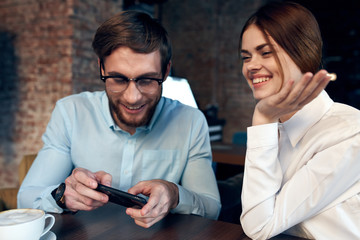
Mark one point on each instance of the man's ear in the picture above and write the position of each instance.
(101, 67)
(168, 68)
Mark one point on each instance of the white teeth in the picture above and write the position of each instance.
(259, 80)
(133, 108)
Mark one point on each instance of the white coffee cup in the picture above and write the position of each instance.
(20, 224)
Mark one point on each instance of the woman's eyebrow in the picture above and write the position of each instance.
(244, 51)
(261, 46)
(258, 48)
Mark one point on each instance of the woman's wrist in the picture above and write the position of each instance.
(260, 118)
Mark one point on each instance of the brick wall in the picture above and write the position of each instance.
(46, 55)
(205, 37)
(46, 49)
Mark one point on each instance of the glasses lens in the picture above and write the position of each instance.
(117, 84)
(144, 85)
(147, 85)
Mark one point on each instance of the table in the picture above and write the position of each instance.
(228, 153)
(111, 222)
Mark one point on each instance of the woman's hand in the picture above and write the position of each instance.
(291, 98)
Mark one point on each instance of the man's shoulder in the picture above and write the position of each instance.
(175, 112)
(82, 98)
(171, 106)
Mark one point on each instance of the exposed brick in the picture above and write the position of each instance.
(49, 56)
(46, 47)
(205, 38)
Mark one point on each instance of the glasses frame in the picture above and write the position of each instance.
(103, 78)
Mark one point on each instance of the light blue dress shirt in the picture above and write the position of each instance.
(174, 146)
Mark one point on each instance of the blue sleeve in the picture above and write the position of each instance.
(51, 167)
(198, 192)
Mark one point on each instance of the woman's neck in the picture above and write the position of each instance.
(286, 117)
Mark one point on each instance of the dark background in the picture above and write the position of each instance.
(340, 23)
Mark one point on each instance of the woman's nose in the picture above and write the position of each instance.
(253, 64)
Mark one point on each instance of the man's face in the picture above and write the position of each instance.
(132, 108)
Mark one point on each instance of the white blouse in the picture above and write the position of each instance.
(303, 176)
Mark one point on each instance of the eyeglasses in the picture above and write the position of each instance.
(119, 83)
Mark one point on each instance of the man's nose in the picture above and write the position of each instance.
(132, 93)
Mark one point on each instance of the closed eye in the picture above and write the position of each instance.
(145, 81)
(245, 55)
(119, 79)
(244, 58)
(266, 53)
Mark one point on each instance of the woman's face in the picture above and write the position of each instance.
(260, 68)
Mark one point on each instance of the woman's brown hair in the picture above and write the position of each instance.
(294, 29)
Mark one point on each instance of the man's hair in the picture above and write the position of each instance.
(294, 29)
(135, 30)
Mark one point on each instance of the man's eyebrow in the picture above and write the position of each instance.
(148, 74)
(113, 73)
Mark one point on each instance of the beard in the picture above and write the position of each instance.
(134, 123)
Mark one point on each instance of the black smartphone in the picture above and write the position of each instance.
(122, 198)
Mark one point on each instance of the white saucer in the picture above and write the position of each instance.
(49, 236)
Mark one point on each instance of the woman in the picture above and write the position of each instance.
(302, 165)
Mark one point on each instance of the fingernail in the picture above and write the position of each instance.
(332, 76)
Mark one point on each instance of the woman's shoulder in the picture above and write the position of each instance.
(344, 115)
(340, 122)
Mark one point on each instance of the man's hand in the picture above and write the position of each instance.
(291, 98)
(80, 193)
(163, 197)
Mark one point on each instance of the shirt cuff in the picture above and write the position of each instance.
(184, 205)
(46, 201)
(262, 135)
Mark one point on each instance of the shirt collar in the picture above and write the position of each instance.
(297, 126)
(106, 111)
(110, 121)
(158, 109)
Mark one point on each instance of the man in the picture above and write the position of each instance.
(127, 137)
